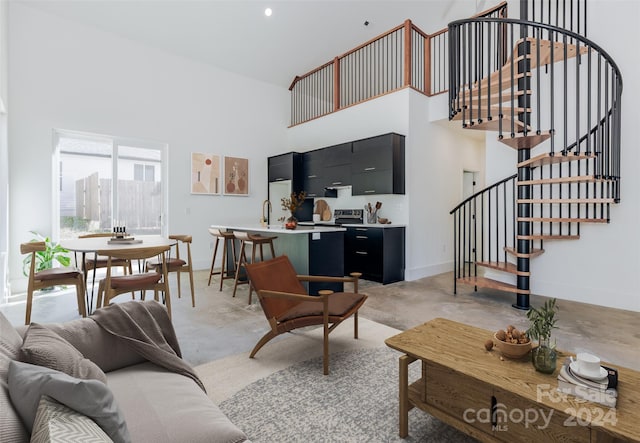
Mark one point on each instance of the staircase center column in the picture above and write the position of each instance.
(523, 246)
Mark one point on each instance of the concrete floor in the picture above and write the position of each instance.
(221, 325)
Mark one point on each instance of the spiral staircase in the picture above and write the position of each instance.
(554, 96)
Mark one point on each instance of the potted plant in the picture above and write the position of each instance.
(46, 258)
(542, 321)
(290, 204)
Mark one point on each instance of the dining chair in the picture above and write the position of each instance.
(155, 281)
(93, 261)
(287, 306)
(177, 264)
(48, 278)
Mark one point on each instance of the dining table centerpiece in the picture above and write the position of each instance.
(291, 204)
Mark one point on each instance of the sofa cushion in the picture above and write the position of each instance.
(56, 423)
(11, 427)
(164, 407)
(92, 341)
(43, 347)
(27, 383)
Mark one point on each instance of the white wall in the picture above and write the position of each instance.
(64, 75)
(602, 266)
(435, 155)
(4, 150)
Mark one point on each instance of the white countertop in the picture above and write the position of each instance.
(358, 225)
(280, 230)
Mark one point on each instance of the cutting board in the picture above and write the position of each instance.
(323, 209)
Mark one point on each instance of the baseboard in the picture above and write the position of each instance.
(427, 271)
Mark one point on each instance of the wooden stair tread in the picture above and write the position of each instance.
(494, 125)
(548, 237)
(574, 179)
(558, 52)
(533, 252)
(562, 220)
(522, 141)
(483, 112)
(473, 99)
(484, 282)
(494, 81)
(511, 268)
(569, 201)
(548, 159)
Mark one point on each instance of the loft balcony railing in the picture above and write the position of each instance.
(403, 57)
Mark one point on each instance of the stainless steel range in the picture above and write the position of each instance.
(348, 216)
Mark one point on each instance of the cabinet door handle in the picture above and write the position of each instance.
(370, 191)
(371, 168)
(361, 229)
(311, 195)
(364, 237)
(311, 176)
(279, 179)
(336, 183)
(361, 253)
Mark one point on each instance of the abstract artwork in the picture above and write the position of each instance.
(205, 173)
(236, 176)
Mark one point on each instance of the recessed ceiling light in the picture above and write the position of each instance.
(268, 12)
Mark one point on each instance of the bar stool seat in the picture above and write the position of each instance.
(253, 241)
(225, 273)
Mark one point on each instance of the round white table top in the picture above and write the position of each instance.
(93, 244)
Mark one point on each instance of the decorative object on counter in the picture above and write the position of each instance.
(542, 322)
(372, 214)
(384, 221)
(290, 204)
(323, 209)
(205, 173)
(236, 176)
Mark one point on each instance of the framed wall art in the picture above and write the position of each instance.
(205, 173)
(236, 176)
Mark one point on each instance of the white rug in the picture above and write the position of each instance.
(282, 395)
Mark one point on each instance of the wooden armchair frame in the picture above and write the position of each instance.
(51, 277)
(111, 286)
(293, 308)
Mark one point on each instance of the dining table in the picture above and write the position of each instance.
(91, 245)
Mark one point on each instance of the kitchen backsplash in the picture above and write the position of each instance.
(394, 207)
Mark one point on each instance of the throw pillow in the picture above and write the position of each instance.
(44, 347)
(27, 383)
(56, 423)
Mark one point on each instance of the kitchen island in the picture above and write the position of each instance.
(313, 250)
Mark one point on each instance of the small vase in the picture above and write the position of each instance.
(291, 223)
(544, 357)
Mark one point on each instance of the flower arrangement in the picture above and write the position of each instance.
(294, 201)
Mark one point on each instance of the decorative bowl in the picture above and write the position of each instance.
(512, 350)
(383, 220)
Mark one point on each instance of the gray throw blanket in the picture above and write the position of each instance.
(147, 329)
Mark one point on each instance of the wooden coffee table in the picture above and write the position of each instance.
(462, 383)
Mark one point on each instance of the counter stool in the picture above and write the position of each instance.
(226, 237)
(252, 240)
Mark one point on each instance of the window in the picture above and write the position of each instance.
(107, 179)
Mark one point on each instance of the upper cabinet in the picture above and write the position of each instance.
(312, 173)
(337, 165)
(286, 167)
(377, 165)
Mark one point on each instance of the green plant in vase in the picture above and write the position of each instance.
(290, 204)
(45, 259)
(542, 321)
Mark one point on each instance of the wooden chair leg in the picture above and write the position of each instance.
(27, 318)
(82, 307)
(263, 341)
(355, 325)
(213, 260)
(193, 295)
(178, 279)
(253, 260)
(325, 345)
(241, 260)
(223, 265)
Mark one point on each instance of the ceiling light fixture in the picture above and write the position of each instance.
(268, 12)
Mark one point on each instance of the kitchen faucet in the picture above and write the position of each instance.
(265, 204)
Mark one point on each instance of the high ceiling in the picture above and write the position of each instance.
(236, 35)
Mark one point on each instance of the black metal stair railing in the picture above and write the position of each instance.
(484, 228)
(554, 96)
